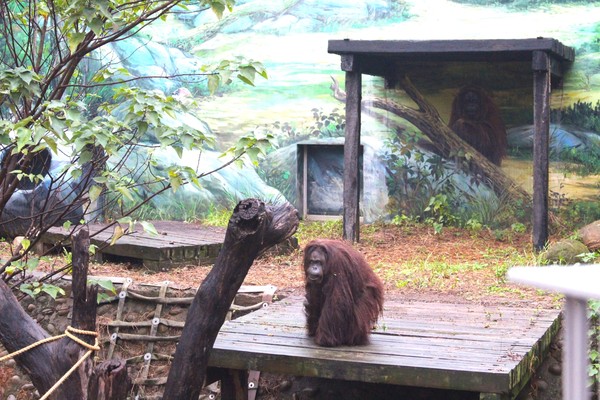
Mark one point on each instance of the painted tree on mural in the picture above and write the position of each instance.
(427, 119)
(59, 101)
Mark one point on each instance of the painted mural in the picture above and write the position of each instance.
(401, 173)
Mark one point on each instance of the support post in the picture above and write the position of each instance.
(541, 134)
(352, 150)
(575, 371)
(234, 385)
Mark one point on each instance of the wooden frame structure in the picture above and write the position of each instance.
(487, 352)
(548, 58)
(304, 148)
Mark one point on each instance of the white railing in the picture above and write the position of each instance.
(578, 283)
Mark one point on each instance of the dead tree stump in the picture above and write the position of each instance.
(253, 228)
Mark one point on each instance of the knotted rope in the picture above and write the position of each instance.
(69, 332)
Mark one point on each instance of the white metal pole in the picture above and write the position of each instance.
(575, 375)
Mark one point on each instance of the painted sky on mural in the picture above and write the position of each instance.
(298, 61)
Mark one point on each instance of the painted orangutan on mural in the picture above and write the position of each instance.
(476, 119)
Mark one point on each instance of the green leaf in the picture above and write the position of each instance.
(51, 143)
(67, 225)
(213, 83)
(52, 290)
(218, 9)
(103, 283)
(96, 25)
(125, 192)
(95, 192)
(32, 264)
(74, 39)
(245, 80)
(27, 289)
(247, 74)
(149, 227)
(175, 180)
(117, 234)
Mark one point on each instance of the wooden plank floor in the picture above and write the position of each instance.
(177, 243)
(485, 349)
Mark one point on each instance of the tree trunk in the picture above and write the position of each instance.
(253, 228)
(427, 119)
(47, 363)
(109, 381)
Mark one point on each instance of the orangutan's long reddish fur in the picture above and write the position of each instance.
(344, 308)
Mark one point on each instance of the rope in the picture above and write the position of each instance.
(68, 333)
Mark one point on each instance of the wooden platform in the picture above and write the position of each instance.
(485, 349)
(177, 244)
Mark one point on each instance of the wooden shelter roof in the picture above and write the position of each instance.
(548, 58)
(375, 55)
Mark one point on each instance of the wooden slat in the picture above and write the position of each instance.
(177, 243)
(455, 347)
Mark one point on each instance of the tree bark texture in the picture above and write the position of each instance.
(427, 119)
(253, 228)
(47, 363)
(351, 194)
(109, 381)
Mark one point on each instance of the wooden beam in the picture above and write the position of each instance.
(541, 133)
(348, 62)
(351, 153)
(453, 50)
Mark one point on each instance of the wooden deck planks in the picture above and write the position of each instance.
(485, 349)
(177, 243)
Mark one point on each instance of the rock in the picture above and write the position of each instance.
(47, 311)
(285, 385)
(175, 311)
(310, 392)
(561, 137)
(51, 328)
(16, 245)
(62, 312)
(566, 252)
(15, 380)
(541, 385)
(162, 329)
(555, 369)
(590, 235)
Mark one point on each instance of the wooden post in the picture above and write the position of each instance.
(109, 381)
(541, 134)
(352, 149)
(234, 385)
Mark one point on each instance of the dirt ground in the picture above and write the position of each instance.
(414, 262)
